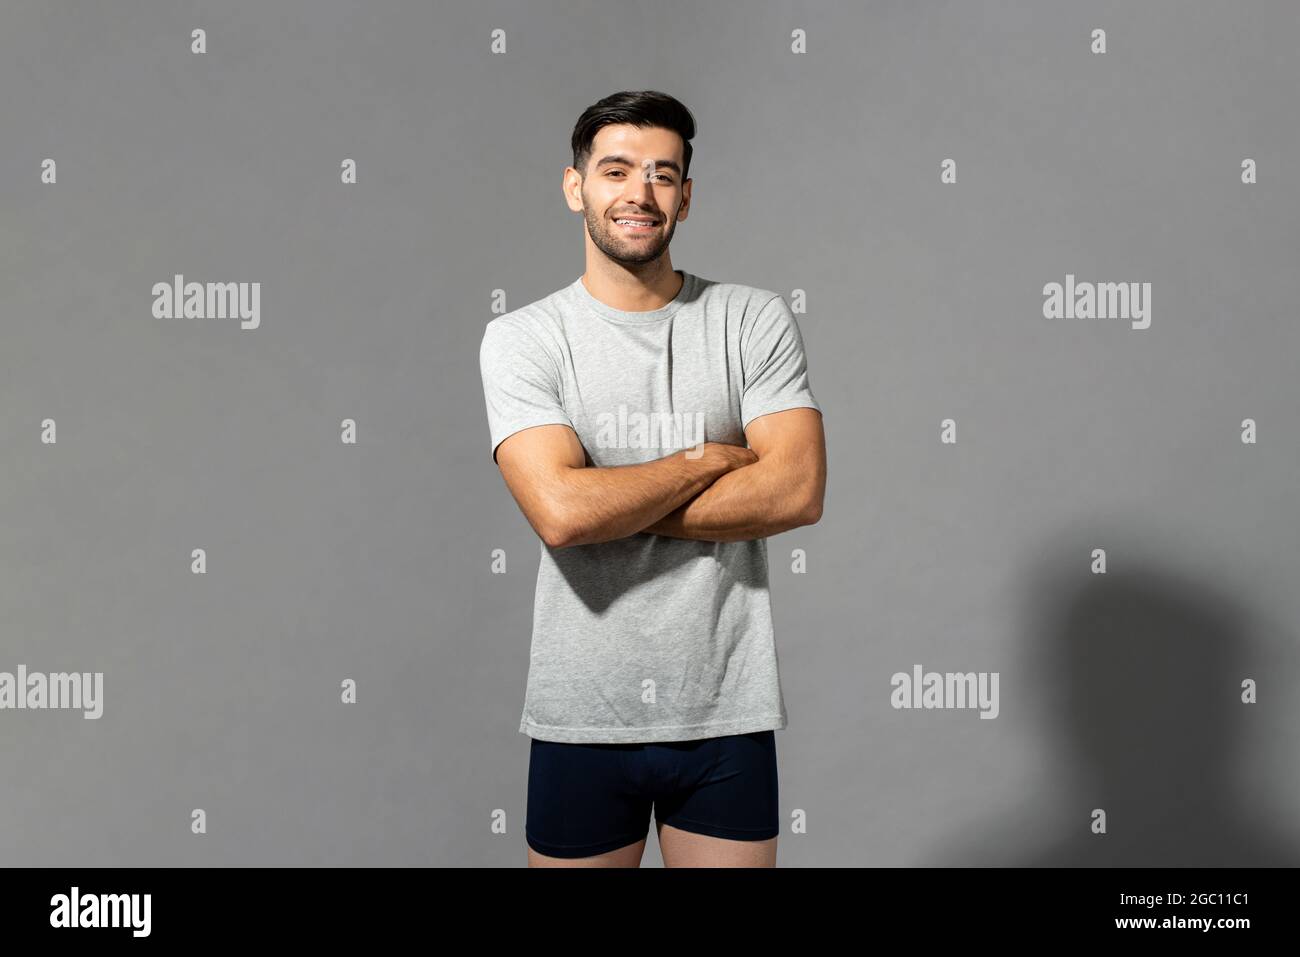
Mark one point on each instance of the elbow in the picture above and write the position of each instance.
(556, 535)
(816, 494)
(558, 540)
(559, 521)
(558, 530)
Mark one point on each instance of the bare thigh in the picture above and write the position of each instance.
(688, 849)
(629, 856)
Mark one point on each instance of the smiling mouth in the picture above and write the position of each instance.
(635, 226)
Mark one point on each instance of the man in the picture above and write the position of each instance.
(620, 408)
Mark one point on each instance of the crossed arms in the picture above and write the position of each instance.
(728, 493)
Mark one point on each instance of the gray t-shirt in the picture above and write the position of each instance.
(648, 638)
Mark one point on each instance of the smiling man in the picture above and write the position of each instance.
(654, 428)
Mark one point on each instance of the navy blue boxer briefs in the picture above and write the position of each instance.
(586, 799)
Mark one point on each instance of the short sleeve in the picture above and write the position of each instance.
(775, 367)
(521, 383)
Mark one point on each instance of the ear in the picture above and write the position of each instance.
(571, 184)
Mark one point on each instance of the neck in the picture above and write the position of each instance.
(619, 287)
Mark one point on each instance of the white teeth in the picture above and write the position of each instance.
(628, 222)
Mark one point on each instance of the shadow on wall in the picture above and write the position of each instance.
(1142, 713)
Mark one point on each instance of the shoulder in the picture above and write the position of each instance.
(755, 314)
(534, 327)
(738, 297)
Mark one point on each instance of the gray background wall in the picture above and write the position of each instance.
(817, 172)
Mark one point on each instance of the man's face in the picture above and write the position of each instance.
(634, 176)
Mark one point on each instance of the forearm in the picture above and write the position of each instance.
(757, 501)
(603, 504)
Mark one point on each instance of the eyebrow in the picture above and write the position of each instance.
(624, 161)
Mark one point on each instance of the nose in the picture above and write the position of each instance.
(639, 185)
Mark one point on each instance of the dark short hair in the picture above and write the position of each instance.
(642, 108)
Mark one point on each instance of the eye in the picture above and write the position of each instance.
(661, 177)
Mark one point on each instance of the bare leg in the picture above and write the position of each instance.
(687, 849)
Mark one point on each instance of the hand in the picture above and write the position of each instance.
(723, 457)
